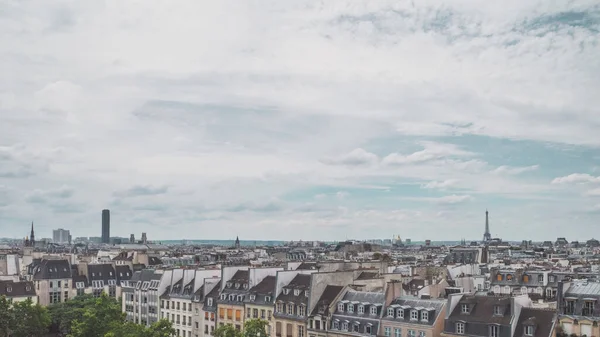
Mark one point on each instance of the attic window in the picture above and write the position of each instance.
(374, 310)
(414, 315)
(400, 313)
(8, 289)
(286, 291)
(509, 277)
(252, 297)
(498, 311)
(390, 312)
(341, 307)
(526, 278)
(361, 309)
(267, 298)
(499, 277)
(237, 285)
(28, 288)
(228, 284)
(529, 330)
(223, 296)
(245, 286)
(296, 292)
(425, 316)
(464, 308)
(93, 274)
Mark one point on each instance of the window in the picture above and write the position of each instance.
(262, 313)
(397, 332)
(570, 307)
(301, 310)
(290, 309)
(221, 313)
(296, 292)
(355, 327)
(400, 313)
(209, 302)
(425, 316)
(345, 326)
(350, 308)
(184, 306)
(238, 315)
(286, 291)
(541, 278)
(374, 310)
(464, 308)
(341, 307)
(499, 277)
(361, 309)
(525, 278)
(551, 278)
(300, 331)
(336, 325)
(529, 330)
(267, 299)
(368, 329)
(421, 333)
(414, 315)
(498, 311)
(280, 307)
(387, 331)
(460, 328)
(509, 277)
(252, 297)
(494, 331)
(588, 308)
(223, 296)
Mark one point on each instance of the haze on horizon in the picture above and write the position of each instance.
(301, 120)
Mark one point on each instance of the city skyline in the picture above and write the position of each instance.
(357, 119)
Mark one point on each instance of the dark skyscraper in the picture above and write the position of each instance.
(105, 226)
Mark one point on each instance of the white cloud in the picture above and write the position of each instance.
(431, 151)
(356, 157)
(453, 199)
(576, 178)
(246, 113)
(514, 170)
(593, 192)
(441, 184)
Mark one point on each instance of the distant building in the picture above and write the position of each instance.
(577, 307)
(105, 226)
(60, 236)
(486, 235)
(132, 238)
(144, 238)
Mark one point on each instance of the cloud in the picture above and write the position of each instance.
(440, 184)
(38, 196)
(453, 199)
(356, 157)
(515, 170)
(142, 190)
(431, 151)
(593, 192)
(576, 178)
(200, 138)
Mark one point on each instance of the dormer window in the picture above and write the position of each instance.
(541, 278)
(400, 313)
(341, 307)
(350, 308)
(425, 316)
(237, 286)
(414, 315)
(551, 278)
(499, 277)
(296, 292)
(252, 297)
(228, 284)
(374, 310)
(245, 286)
(8, 289)
(529, 330)
(525, 278)
(306, 293)
(464, 308)
(494, 331)
(390, 312)
(498, 310)
(223, 296)
(286, 291)
(209, 302)
(460, 328)
(361, 309)
(267, 298)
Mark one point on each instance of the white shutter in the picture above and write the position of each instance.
(586, 330)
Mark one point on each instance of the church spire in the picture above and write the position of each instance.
(32, 236)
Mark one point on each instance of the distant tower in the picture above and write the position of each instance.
(237, 242)
(32, 236)
(105, 226)
(132, 238)
(144, 238)
(487, 236)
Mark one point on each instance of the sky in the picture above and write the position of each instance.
(312, 120)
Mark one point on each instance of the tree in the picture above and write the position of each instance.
(100, 318)
(23, 319)
(227, 330)
(255, 328)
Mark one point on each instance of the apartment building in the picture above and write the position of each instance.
(319, 319)
(259, 302)
(409, 316)
(291, 304)
(234, 288)
(52, 279)
(140, 296)
(578, 309)
(18, 291)
(357, 313)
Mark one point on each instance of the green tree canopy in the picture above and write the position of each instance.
(23, 319)
(252, 328)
